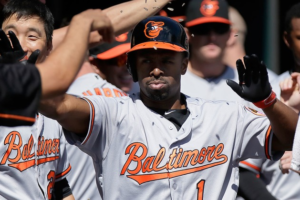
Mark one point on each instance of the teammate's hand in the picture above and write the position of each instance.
(290, 91)
(32, 58)
(285, 162)
(100, 23)
(254, 83)
(11, 52)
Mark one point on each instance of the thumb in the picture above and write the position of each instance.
(234, 86)
(33, 57)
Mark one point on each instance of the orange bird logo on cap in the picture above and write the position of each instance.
(209, 8)
(152, 29)
(122, 38)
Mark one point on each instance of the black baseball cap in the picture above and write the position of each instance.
(206, 11)
(175, 10)
(107, 51)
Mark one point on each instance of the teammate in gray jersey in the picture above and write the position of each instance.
(281, 186)
(34, 161)
(210, 35)
(162, 144)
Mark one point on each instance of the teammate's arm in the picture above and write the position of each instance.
(60, 68)
(252, 187)
(71, 112)
(254, 86)
(123, 16)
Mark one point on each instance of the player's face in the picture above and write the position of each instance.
(159, 73)
(31, 34)
(116, 73)
(293, 39)
(208, 41)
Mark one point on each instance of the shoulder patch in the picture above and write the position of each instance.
(255, 112)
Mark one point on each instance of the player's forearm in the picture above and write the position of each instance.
(61, 67)
(126, 15)
(283, 121)
(71, 112)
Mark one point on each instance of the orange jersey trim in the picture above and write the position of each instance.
(17, 117)
(267, 142)
(27, 164)
(251, 165)
(63, 173)
(143, 178)
(92, 121)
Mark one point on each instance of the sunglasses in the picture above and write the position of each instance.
(118, 61)
(205, 29)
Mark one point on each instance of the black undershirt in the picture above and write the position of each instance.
(176, 116)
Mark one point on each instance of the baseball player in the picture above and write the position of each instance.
(109, 58)
(280, 186)
(162, 144)
(33, 162)
(38, 83)
(209, 31)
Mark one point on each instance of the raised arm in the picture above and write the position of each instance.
(254, 86)
(123, 16)
(60, 68)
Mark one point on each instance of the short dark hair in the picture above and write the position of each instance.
(293, 12)
(29, 8)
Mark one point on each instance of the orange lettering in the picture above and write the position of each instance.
(30, 145)
(107, 92)
(97, 91)
(211, 153)
(12, 146)
(172, 156)
(135, 158)
(202, 155)
(25, 152)
(147, 164)
(160, 155)
(190, 157)
(177, 160)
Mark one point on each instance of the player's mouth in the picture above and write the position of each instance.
(156, 85)
(125, 79)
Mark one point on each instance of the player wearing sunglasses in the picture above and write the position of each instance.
(109, 60)
(209, 30)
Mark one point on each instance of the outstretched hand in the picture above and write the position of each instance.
(254, 83)
(290, 91)
(100, 23)
(11, 50)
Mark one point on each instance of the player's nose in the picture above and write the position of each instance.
(156, 72)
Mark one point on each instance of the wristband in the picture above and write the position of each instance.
(266, 102)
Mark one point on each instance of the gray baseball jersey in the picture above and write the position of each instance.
(139, 154)
(212, 88)
(82, 178)
(281, 186)
(32, 159)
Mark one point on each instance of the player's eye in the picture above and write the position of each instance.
(32, 37)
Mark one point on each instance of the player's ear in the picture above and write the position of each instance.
(287, 39)
(184, 64)
(49, 47)
(232, 39)
(187, 33)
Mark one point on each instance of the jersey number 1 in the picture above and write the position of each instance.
(200, 188)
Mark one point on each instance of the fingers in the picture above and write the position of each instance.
(34, 56)
(235, 87)
(102, 24)
(14, 40)
(287, 85)
(5, 45)
(241, 70)
(285, 162)
(248, 72)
